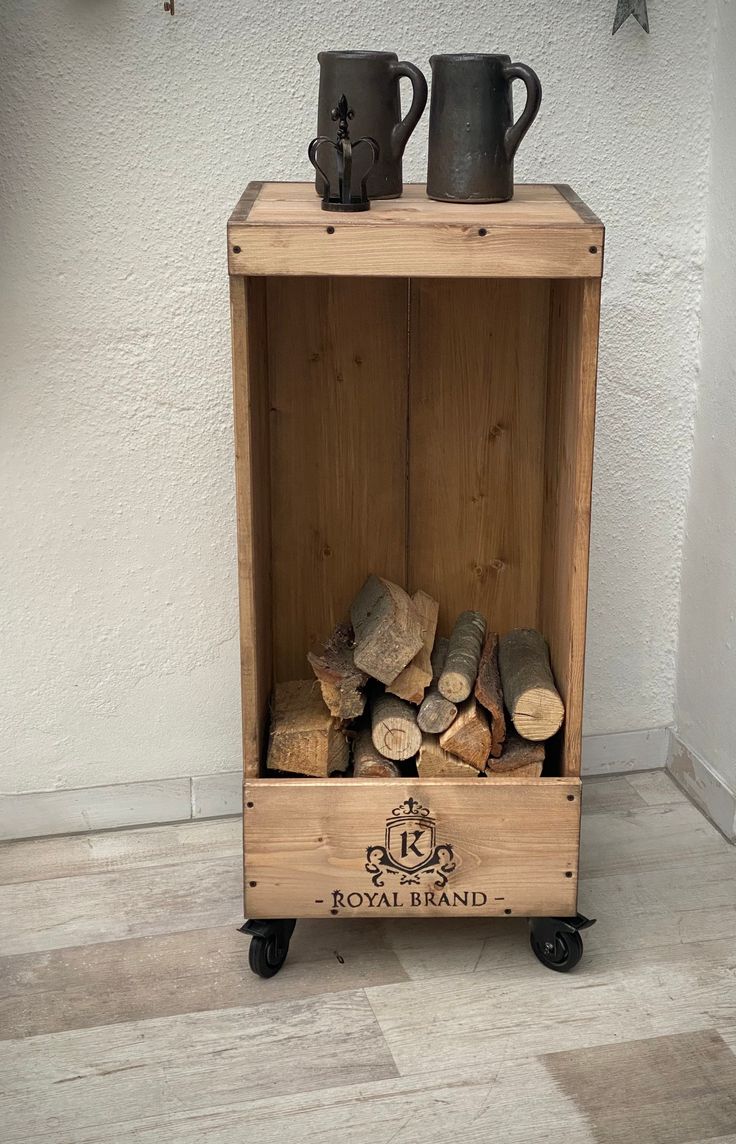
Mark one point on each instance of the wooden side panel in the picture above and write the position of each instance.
(250, 396)
(338, 374)
(476, 454)
(394, 847)
(573, 358)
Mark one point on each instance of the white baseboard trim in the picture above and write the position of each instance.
(80, 811)
(87, 809)
(624, 751)
(706, 788)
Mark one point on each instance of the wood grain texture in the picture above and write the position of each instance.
(81, 987)
(42, 859)
(469, 736)
(529, 691)
(488, 692)
(434, 762)
(86, 909)
(478, 371)
(304, 739)
(388, 628)
(394, 729)
(570, 428)
(89, 1078)
(413, 681)
(338, 372)
(513, 842)
(537, 234)
(624, 1088)
(250, 401)
(341, 682)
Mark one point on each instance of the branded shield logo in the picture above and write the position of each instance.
(410, 851)
(410, 844)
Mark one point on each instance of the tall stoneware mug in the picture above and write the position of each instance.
(370, 82)
(472, 134)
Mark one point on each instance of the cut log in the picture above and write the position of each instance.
(469, 736)
(388, 629)
(368, 763)
(413, 681)
(342, 683)
(304, 738)
(436, 713)
(528, 771)
(488, 691)
(529, 690)
(434, 762)
(517, 754)
(463, 655)
(394, 728)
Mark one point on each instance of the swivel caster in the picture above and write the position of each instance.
(556, 942)
(269, 944)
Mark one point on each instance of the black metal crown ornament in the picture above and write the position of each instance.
(343, 199)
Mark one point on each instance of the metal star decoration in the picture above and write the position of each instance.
(635, 8)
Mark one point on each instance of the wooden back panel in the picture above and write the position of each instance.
(337, 362)
(476, 453)
(438, 432)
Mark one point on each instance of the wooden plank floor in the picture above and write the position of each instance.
(128, 1013)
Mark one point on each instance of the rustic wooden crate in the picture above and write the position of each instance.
(414, 396)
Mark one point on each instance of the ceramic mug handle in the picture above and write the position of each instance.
(402, 131)
(518, 130)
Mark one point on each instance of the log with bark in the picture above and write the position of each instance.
(413, 681)
(388, 629)
(488, 692)
(342, 683)
(529, 690)
(368, 763)
(304, 738)
(469, 736)
(463, 655)
(394, 728)
(436, 713)
(434, 762)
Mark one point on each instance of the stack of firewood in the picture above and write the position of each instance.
(391, 698)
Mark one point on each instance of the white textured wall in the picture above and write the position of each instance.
(126, 138)
(706, 689)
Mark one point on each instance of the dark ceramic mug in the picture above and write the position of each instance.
(472, 134)
(370, 81)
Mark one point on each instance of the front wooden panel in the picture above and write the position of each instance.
(337, 363)
(357, 847)
(477, 396)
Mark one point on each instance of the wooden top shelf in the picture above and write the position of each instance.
(546, 231)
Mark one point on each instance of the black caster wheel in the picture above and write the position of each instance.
(561, 954)
(269, 944)
(557, 943)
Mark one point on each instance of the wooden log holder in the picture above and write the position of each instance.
(364, 347)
